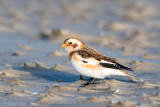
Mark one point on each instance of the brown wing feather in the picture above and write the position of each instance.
(88, 52)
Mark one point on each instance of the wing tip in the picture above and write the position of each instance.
(125, 68)
(130, 69)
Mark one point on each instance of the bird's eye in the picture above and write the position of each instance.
(70, 43)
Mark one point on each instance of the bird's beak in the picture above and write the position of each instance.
(63, 45)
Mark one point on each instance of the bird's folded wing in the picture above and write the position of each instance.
(103, 60)
(114, 65)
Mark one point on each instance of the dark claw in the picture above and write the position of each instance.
(87, 83)
(84, 85)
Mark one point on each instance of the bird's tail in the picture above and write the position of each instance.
(132, 77)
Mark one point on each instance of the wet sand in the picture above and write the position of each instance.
(35, 70)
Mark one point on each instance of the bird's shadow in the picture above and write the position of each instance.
(50, 74)
(117, 78)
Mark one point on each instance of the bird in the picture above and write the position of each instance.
(91, 63)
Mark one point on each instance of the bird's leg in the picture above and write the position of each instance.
(92, 80)
(87, 83)
(81, 78)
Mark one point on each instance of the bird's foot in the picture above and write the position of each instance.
(86, 84)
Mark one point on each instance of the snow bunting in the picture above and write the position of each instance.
(89, 62)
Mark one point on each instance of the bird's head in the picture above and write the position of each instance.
(72, 44)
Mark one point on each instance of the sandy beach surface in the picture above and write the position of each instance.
(35, 70)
